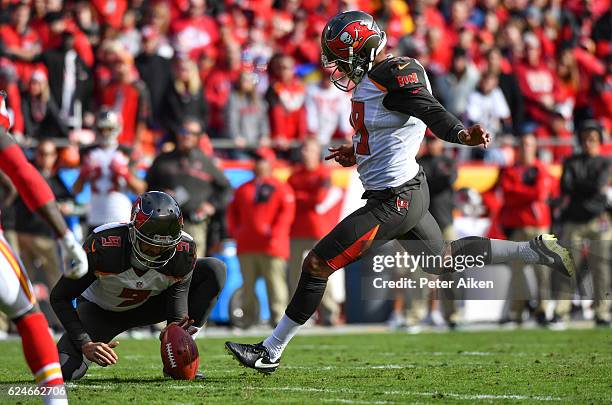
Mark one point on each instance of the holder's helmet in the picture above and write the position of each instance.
(156, 226)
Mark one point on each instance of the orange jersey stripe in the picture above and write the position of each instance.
(8, 254)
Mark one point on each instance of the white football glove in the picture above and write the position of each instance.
(73, 256)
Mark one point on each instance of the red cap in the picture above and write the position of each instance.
(265, 153)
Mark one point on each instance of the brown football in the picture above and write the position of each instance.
(179, 353)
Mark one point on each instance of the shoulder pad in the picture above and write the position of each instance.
(108, 248)
(184, 259)
(398, 73)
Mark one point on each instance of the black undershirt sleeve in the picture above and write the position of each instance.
(425, 107)
(177, 300)
(67, 289)
(61, 300)
(405, 82)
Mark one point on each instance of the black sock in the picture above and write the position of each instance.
(307, 297)
(472, 246)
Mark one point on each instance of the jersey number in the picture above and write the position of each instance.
(133, 297)
(357, 117)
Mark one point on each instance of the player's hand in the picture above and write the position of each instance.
(185, 323)
(343, 154)
(100, 353)
(88, 169)
(119, 166)
(475, 135)
(73, 256)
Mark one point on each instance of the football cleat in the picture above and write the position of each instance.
(253, 356)
(552, 254)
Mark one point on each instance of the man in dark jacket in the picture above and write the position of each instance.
(200, 188)
(35, 238)
(70, 80)
(583, 183)
(155, 71)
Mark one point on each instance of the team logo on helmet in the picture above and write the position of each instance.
(139, 217)
(353, 35)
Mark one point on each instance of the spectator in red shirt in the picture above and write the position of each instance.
(110, 12)
(129, 97)
(285, 98)
(301, 43)
(20, 41)
(525, 214)
(218, 88)
(317, 204)
(195, 30)
(260, 218)
(537, 82)
(440, 53)
(602, 88)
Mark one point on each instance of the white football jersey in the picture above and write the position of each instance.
(126, 290)
(386, 142)
(109, 200)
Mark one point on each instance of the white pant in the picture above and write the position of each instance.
(16, 293)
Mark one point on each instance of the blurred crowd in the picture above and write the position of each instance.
(250, 69)
(137, 95)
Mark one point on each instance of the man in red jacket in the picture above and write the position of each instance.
(285, 97)
(260, 218)
(525, 214)
(317, 204)
(537, 83)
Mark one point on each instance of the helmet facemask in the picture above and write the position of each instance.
(152, 253)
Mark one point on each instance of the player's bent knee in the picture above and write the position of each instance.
(316, 266)
(217, 270)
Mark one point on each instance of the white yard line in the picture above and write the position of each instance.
(469, 397)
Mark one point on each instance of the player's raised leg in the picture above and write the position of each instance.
(18, 302)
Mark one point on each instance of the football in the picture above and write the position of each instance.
(179, 353)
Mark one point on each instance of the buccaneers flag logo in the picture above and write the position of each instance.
(139, 217)
(353, 35)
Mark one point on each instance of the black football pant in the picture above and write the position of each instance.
(102, 325)
(401, 214)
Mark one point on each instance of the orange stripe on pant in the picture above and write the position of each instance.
(354, 251)
(23, 281)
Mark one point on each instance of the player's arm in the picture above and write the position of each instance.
(67, 290)
(406, 84)
(61, 298)
(176, 304)
(177, 307)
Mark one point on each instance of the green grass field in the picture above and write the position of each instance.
(527, 366)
